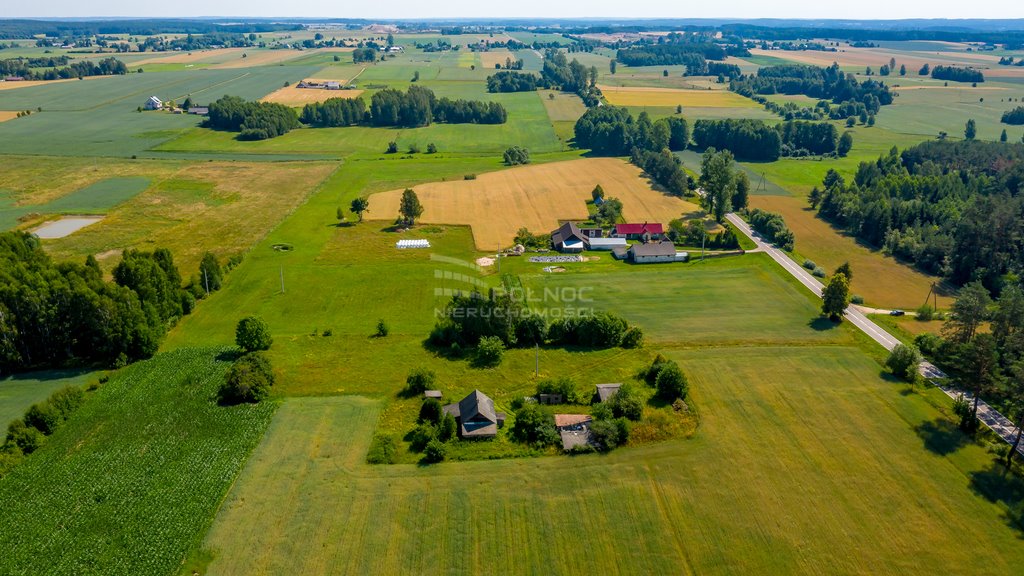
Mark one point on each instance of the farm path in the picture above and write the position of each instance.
(989, 416)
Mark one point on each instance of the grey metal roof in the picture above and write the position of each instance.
(654, 249)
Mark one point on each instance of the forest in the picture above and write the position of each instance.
(253, 120)
(670, 54)
(951, 208)
(62, 314)
(509, 81)
(1013, 117)
(829, 83)
(334, 112)
(957, 74)
(746, 139)
(418, 106)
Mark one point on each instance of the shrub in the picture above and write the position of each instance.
(469, 177)
(564, 387)
(252, 334)
(925, 313)
(928, 344)
(383, 450)
(248, 380)
(672, 383)
(534, 426)
(626, 404)
(489, 352)
(418, 381)
(607, 434)
(650, 374)
(66, 400)
(431, 148)
(516, 155)
(414, 148)
(819, 272)
(26, 438)
(903, 361)
(809, 264)
(421, 436)
(43, 417)
(392, 148)
(633, 338)
(446, 428)
(382, 329)
(430, 411)
(434, 452)
(856, 299)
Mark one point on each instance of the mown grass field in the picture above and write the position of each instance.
(130, 483)
(894, 497)
(642, 96)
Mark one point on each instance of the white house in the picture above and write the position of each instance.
(654, 252)
(153, 103)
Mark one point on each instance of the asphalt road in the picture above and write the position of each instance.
(989, 416)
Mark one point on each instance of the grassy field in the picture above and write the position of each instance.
(125, 487)
(887, 479)
(642, 96)
(561, 106)
(20, 391)
(497, 204)
(97, 198)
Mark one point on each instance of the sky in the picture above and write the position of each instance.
(406, 9)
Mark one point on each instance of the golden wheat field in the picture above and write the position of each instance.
(647, 96)
(497, 204)
(293, 96)
(489, 59)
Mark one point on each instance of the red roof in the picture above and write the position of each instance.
(653, 228)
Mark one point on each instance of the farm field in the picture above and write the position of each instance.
(123, 485)
(691, 500)
(642, 96)
(562, 107)
(497, 204)
(293, 96)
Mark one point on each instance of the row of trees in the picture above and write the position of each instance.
(334, 112)
(253, 120)
(1013, 117)
(26, 435)
(418, 106)
(951, 208)
(671, 54)
(747, 139)
(558, 72)
(507, 81)
(28, 68)
(725, 187)
(829, 83)
(957, 74)
(773, 227)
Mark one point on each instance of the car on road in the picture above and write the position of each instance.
(897, 313)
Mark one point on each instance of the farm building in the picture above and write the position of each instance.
(14, 79)
(646, 231)
(606, 243)
(574, 438)
(604, 392)
(333, 85)
(592, 232)
(475, 416)
(572, 421)
(153, 103)
(651, 253)
(435, 394)
(568, 238)
(199, 110)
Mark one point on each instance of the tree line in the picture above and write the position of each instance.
(1013, 117)
(951, 208)
(747, 139)
(558, 72)
(418, 106)
(253, 120)
(26, 68)
(63, 314)
(829, 83)
(957, 74)
(688, 54)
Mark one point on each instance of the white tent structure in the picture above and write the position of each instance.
(401, 244)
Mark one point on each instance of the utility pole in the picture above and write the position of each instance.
(282, 279)
(536, 371)
(703, 237)
(206, 281)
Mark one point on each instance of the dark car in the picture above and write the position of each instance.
(897, 313)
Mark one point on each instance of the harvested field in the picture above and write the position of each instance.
(261, 58)
(30, 83)
(489, 59)
(903, 286)
(564, 107)
(340, 73)
(497, 204)
(217, 55)
(293, 96)
(643, 96)
(6, 115)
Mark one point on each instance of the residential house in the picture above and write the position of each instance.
(153, 103)
(333, 85)
(572, 421)
(475, 416)
(646, 231)
(568, 238)
(604, 392)
(592, 232)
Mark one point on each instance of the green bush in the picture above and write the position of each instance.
(419, 381)
(564, 387)
(248, 380)
(925, 313)
(626, 403)
(672, 383)
(809, 264)
(534, 426)
(633, 338)
(382, 328)
(430, 411)
(435, 451)
(252, 334)
(856, 299)
(421, 436)
(25, 438)
(447, 428)
(928, 344)
(903, 361)
(607, 434)
(383, 450)
(43, 417)
(489, 352)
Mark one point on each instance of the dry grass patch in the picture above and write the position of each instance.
(489, 59)
(216, 55)
(260, 58)
(294, 96)
(223, 207)
(564, 107)
(880, 279)
(497, 204)
(645, 96)
(6, 115)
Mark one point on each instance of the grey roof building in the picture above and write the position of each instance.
(606, 391)
(476, 416)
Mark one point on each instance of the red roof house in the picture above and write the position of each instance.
(636, 231)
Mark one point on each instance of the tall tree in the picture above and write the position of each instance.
(410, 208)
(718, 181)
(1016, 397)
(836, 297)
(970, 130)
(741, 195)
(1002, 137)
(969, 310)
(846, 270)
(210, 272)
(977, 367)
(360, 205)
